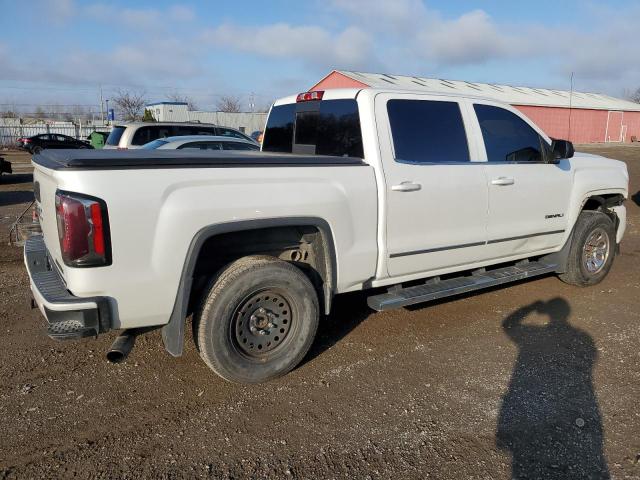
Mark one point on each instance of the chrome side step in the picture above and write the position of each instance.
(435, 289)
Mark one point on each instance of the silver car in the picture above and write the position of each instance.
(201, 142)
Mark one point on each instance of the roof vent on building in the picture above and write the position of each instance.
(389, 81)
(421, 84)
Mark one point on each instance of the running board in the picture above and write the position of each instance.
(435, 288)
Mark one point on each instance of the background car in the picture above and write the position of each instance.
(37, 143)
(136, 134)
(201, 142)
(257, 136)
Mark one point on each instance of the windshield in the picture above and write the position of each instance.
(154, 144)
(325, 127)
(115, 135)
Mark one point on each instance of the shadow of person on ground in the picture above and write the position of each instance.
(636, 198)
(549, 419)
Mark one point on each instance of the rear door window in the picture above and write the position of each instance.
(508, 138)
(200, 146)
(427, 131)
(239, 146)
(147, 134)
(194, 130)
(114, 137)
(324, 127)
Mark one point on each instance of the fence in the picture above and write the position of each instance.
(10, 132)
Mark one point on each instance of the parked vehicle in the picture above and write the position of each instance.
(257, 136)
(136, 134)
(427, 195)
(200, 142)
(37, 143)
(5, 166)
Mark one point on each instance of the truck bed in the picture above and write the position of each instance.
(123, 159)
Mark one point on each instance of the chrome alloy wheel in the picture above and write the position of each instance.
(596, 251)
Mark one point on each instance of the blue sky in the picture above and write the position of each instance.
(61, 51)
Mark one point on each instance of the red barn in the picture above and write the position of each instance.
(576, 116)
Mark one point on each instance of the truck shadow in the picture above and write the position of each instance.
(636, 198)
(15, 197)
(549, 420)
(347, 312)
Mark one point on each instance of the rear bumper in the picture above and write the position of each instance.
(69, 317)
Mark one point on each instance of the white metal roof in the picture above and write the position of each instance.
(504, 93)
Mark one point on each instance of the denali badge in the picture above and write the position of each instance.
(554, 215)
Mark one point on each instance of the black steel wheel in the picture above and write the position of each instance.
(257, 321)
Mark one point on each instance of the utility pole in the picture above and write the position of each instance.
(101, 106)
(252, 101)
(570, 106)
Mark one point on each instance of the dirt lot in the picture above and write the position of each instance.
(539, 380)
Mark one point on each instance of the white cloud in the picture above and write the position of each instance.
(308, 44)
(139, 18)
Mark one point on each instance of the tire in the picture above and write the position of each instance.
(585, 269)
(36, 150)
(257, 320)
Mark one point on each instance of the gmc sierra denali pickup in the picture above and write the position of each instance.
(412, 196)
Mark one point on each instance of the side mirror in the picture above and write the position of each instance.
(562, 149)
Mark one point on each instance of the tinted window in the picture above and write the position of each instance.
(147, 134)
(155, 144)
(278, 134)
(330, 128)
(239, 146)
(229, 132)
(427, 131)
(194, 130)
(200, 146)
(114, 136)
(508, 138)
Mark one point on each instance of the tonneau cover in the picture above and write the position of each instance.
(136, 159)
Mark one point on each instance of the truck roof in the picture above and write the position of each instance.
(341, 93)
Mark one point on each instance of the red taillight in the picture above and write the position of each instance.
(310, 96)
(24, 140)
(82, 230)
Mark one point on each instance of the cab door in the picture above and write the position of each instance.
(528, 191)
(436, 194)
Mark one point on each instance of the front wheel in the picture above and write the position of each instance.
(592, 250)
(257, 321)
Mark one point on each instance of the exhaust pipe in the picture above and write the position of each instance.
(122, 345)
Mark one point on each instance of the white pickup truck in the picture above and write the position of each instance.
(414, 196)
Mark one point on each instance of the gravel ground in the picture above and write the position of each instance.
(537, 380)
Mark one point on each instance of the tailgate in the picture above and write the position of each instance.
(44, 186)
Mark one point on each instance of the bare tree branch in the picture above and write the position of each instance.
(228, 103)
(130, 104)
(177, 97)
(635, 96)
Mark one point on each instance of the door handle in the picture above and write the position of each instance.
(503, 181)
(406, 187)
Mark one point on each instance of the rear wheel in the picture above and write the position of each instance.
(592, 250)
(36, 150)
(257, 321)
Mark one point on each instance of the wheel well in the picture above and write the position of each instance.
(302, 245)
(603, 203)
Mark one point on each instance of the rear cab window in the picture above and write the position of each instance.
(319, 127)
(115, 135)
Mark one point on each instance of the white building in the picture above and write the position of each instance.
(178, 112)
